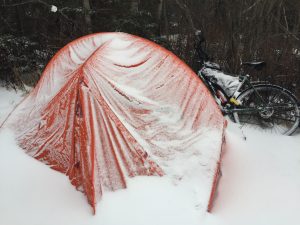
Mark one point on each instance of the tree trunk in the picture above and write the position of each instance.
(165, 16)
(87, 15)
(187, 13)
(134, 6)
(159, 10)
(20, 21)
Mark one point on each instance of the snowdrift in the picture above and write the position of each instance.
(110, 106)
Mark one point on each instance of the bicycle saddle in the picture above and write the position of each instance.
(255, 65)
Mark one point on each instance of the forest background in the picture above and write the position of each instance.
(31, 32)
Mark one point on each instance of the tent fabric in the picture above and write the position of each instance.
(110, 106)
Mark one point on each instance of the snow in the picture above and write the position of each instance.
(227, 82)
(260, 185)
(9, 100)
(53, 8)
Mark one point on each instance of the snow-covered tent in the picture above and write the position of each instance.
(110, 106)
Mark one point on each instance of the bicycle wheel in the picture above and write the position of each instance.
(269, 107)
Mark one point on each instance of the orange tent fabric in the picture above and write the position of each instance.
(108, 106)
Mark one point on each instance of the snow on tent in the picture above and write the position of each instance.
(111, 106)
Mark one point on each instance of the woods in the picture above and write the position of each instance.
(235, 30)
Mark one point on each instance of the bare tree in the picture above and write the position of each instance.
(87, 15)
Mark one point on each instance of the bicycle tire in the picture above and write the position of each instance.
(277, 109)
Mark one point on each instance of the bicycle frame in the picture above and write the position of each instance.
(231, 103)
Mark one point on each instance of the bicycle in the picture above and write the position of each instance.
(260, 104)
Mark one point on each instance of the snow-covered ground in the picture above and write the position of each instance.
(260, 185)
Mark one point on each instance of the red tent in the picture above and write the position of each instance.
(111, 106)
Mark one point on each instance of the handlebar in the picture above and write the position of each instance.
(203, 56)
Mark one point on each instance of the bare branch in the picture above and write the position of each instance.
(252, 6)
(60, 11)
(286, 29)
(25, 3)
(186, 13)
